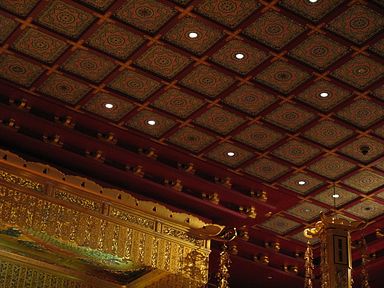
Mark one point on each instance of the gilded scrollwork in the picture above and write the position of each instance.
(171, 231)
(132, 218)
(21, 181)
(78, 200)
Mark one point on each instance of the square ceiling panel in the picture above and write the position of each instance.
(18, 70)
(282, 76)
(115, 40)
(147, 15)
(312, 10)
(193, 35)
(88, 65)
(178, 103)
(21, 8)
(63, 88)
(191, 139)
(135, 85)
(227, 12)
(366, 209)
(373, 147)
(258, 136)
(7, 25)
(306, 211)
(290, 117)
(344, 196)
(162, 61)
(280, 224)
(302, 183)
(296, 152)
(358, 24)
(332, 167)
(324, 95)
(239, 56)
(365, 181)
(266, 169)
(249, 99)
(219, 120)
(39, 45)
(98, 4)
(229, 154)
(150, 123)
(362, 113)
(318, 51)
(274, 30)
(360, 72)
(328, 133)
(207, 81)
(108, 106)
(65, 19)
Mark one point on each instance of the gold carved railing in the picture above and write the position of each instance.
(74, 214)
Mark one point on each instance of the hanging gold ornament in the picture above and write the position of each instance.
(308, 257)
(223, 273)
(364, 261)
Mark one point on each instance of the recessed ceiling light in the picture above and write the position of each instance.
(231, 154)
(192, 35)
(269, 277)
(324, 94)
(313, 1)
(239, 56)
(336, 195)
(108, 106)
(302, 182)
(151, 122)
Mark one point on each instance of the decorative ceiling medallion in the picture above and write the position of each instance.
(274, 30)
(344, 196)
(206, 80)
(249, 99)
(289, 117)
(304, 240)
(191, 139)
(266, 169)
(178, 103)
(134, 85)
(366, 209)
(294, 183)
(206, 36)
(354, 149)
(147, 15)
(162, 61)
(378, 47)
(63, 88)
(328, 133)
(228, 56)
(219, 120)
(332, 167)
(227, 12)
(360, 72)
(282, 76)
(362, 113)
(19, 7)
(97, 105)
(88, 65)
(280, 224)
(220, 154)
(98, 4)
(336, 95)
(296, 152)
(115, 41)
(18, 71)
(306, 211)
(39, 45)
(65, 19)
(365, 181)
(358, 24)
(7, 25)
(258, 136)
(140, 123)
(318, 51)
(311, 10)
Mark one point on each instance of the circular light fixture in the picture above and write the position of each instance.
(151, 122)
(324, 94)
(239, 56)
(108, 105)
(313, 1)
(336, 195)
(192, 35)
(302, 182)
(269, 277)
(231, 154)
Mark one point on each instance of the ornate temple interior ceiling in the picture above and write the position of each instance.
(246, 113)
